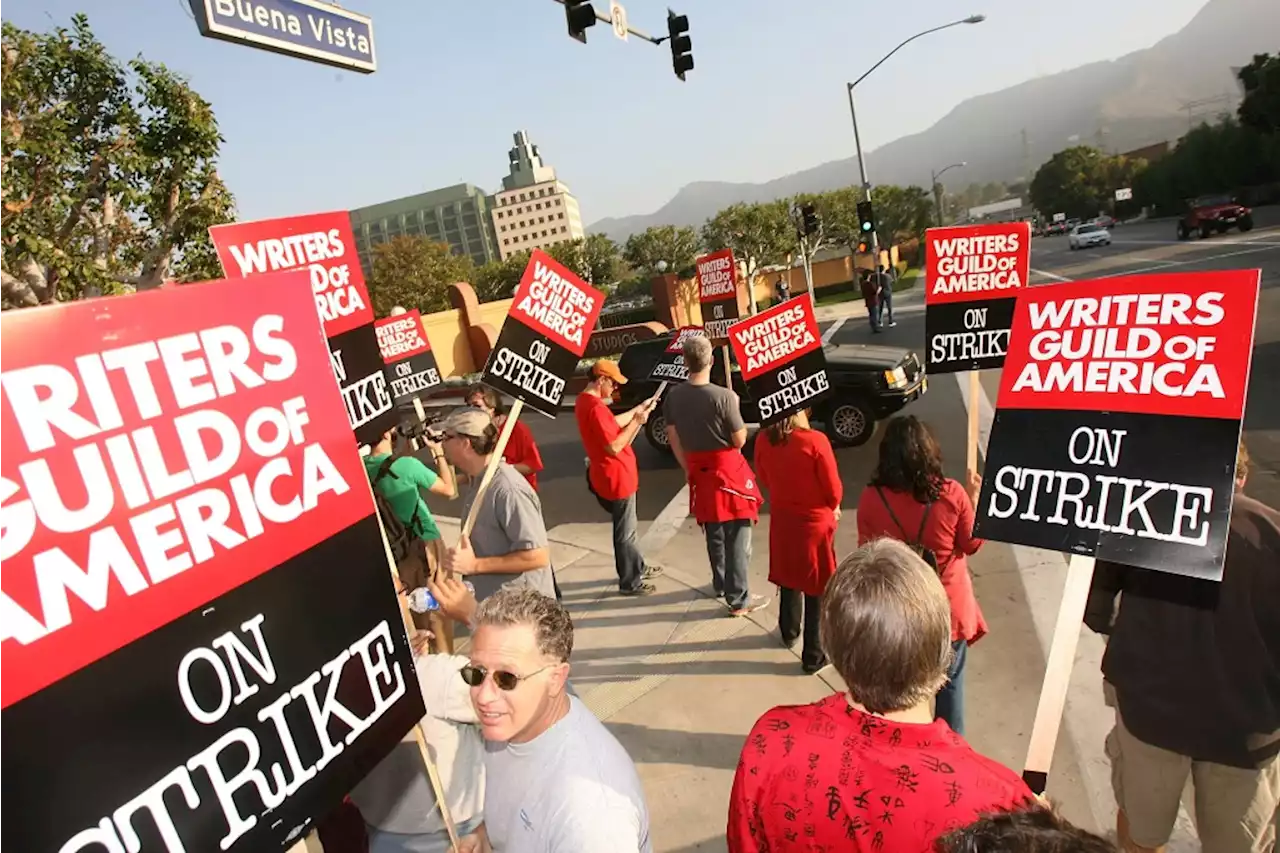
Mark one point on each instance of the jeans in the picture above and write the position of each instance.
(949, 705)
(873, 314)
(789, 619)
(729, 550)
(626, 553)
(884, 305)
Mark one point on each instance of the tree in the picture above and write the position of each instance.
(1081, 181)
(414, 272)
(1210, 159)
(499, 279)
(1260, 108)
(825, 206)
(902, 213)
(593, 258)
(676, 247)
(108, 171)
(759, 234)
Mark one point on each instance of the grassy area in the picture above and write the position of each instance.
(908, 280)
(847, 292)
(837, 296)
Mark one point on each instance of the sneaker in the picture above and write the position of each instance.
(811, 668)
(642, 589)
(892, 323)
(651, 572)
(754, 603)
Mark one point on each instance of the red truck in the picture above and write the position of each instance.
(1207, 214)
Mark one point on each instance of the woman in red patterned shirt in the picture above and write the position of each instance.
(910, 499)
(870, 770)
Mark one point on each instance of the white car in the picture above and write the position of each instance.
(1088, 234)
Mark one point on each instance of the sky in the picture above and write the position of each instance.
(456, 78)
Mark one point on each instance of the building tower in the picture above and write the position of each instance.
(534, 209)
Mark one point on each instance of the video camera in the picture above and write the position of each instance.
(425, 430)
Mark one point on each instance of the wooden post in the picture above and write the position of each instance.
(975, 394)
(494, 461)
(1057, 674)
(728, 369)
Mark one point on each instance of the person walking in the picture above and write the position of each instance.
(1195, 669)
(612, 474)
(401, 479)
(869, 769)
(706, 434)
(521, 451)
(870, 298)
(910, 499)
(784, 289)
(884, 292)
(508, 545)
(797, 468)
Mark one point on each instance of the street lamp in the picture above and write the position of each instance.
(936, 190)
(857, 141)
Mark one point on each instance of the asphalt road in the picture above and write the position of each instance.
(1140, 248)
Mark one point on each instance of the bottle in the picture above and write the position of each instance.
(422, 601)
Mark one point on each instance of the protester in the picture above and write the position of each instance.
(706, 433)
(1033, 829)
(910, 499)
(508, 545)
(397, 799)
(784, 289)
(884, 292)
(871, 769)
(399, 480)
(871, 298)
(1195, 666)
(557, 779)
(797, 467)
(521, 451)
(612, 474)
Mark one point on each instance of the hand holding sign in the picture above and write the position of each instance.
(460, 559)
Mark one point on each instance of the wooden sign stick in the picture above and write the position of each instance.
(975, 394)
(728, 369)
(1057, 673)
(494, 460)
(662, 386)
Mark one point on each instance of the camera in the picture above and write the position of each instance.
(426, 430)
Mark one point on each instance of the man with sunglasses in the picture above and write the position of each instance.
(508, 544)
(557, 781)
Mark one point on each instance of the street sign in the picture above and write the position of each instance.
(307, 29)
(618, 16)
(1059, 217)
(1124, 194)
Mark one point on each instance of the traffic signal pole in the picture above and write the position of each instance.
(862, 168)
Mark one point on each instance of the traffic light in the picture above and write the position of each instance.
(866, 217)
(862, 247)
(579, 14)
(809, 220)
(681, 45)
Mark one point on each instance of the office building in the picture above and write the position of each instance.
(457, 215)
(534, 209)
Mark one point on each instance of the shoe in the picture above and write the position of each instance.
(651, 572)
(892, 323)
(642, 589)
(754, 603)
(791, 643)
(810, 668)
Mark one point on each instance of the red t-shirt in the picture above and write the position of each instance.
(521, 450)
(829, 777)
(613, 477)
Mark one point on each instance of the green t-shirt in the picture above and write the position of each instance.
(401, 487)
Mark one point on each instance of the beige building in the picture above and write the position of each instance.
(533, 209)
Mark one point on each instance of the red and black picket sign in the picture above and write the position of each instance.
(323, 245)
(544, 336)
(973, 275)
(670, 367)
(202, 647)
(411, 368)
(781, 358)
(717, 276)
(1118, 421)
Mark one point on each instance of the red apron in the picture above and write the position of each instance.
(802, 552)
(722, 486)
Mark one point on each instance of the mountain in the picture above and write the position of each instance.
(1144, 97)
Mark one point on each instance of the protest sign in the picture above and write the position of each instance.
(202, 647)
(780, 354)
(322, 244)
(410, 365)
(1118, 419)
(718, 293)
(670, 367)
(544, 336)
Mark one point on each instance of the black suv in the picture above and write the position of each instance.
(869, 383)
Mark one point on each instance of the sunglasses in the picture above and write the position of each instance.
(474, 676)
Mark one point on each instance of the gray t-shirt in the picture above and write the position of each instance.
(572, 789)
(510, 519)
(705, 416)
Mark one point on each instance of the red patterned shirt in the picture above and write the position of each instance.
(828, 777)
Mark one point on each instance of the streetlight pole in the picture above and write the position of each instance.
(857, 141)
(937, 192)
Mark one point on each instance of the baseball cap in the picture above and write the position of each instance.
(468, 421)
(609, 370)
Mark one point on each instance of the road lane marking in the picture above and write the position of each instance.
(835, 327)
(1051, 275)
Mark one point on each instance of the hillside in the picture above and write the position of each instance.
(1126, 103)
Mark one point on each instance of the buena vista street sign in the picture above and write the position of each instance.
(307, 29)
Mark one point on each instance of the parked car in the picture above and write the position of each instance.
(1106, 221)
(869, 384)
(1088, 234)
(1207, 214)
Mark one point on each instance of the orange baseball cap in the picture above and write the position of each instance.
(609, 370)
